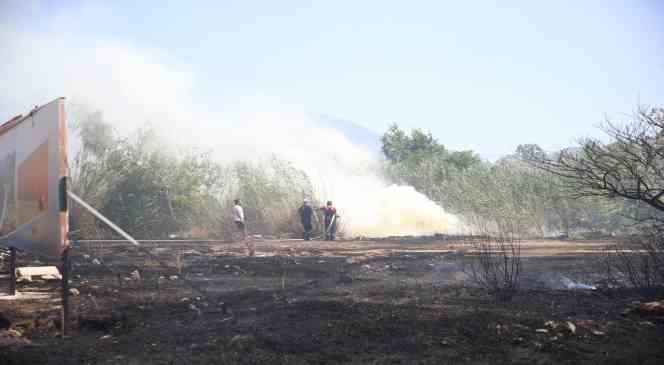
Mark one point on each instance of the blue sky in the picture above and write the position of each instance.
(481, 75)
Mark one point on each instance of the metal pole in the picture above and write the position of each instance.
(65, 291)
(12, 271)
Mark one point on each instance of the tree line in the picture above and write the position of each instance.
(156, 191)
(587, 190)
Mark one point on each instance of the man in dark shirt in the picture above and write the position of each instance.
(306, 212)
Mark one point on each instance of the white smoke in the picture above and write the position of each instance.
(348, 175)
(133, 86)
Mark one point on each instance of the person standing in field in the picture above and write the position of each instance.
(330, 213)
(306, 213)
(238, 218)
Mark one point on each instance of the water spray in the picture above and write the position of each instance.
(133, 241)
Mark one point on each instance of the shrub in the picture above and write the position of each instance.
(498, 265)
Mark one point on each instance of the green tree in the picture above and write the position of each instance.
(417, 159)
(398, 145)
(155, 192)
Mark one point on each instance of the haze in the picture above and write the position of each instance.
(482, 75)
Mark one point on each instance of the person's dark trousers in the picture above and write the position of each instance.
(333, 231)
(307, 230)
(330, 230)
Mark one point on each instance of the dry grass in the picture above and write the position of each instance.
(498, 267)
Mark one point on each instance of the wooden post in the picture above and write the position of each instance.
(12, 271)
(65, 291)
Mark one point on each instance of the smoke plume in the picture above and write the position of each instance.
(134, 87)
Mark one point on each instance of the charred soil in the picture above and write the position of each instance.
(375, 302)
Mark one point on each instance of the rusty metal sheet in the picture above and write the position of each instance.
(33, 165)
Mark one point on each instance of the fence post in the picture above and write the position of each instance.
(12, 271)
(65, 291)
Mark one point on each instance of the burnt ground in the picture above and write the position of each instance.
(377, 302)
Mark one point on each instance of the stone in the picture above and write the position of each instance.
(136, 275)
(29, 273)
(242, 342)
(655, 307)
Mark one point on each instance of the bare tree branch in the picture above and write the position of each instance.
(630, 166)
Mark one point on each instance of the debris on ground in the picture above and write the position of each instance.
(191, 252)
(194, 308)
(29, 273)
(571, 284)
(332, 312)
(561, 327)
(596, 328)
(12, 338)
(135, 275)
(652, 308)
(242, 342)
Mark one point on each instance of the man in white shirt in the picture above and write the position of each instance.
(238, 217)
